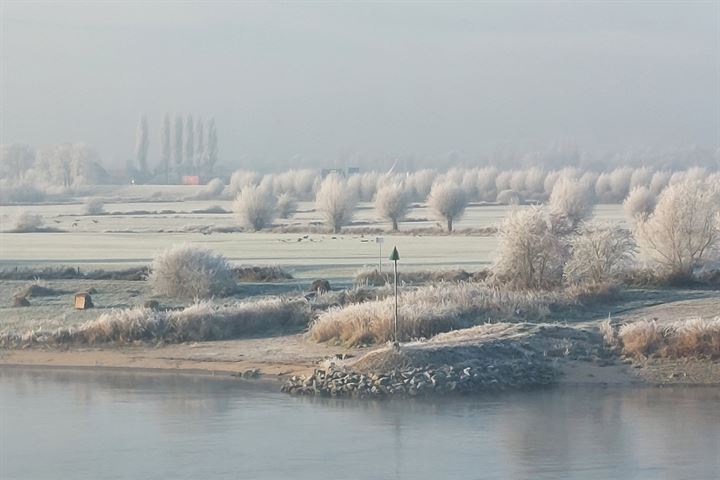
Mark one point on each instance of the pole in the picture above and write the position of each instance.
(396, 301)
(380, 243)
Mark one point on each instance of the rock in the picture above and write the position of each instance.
(152, 304)
(320, 286)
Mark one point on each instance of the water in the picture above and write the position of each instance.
(81, 425)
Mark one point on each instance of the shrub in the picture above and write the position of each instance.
(202, 321)
(335, 202)
(286, 205)
(27, 222)
(371, 276)
(679, 339)
(684, 227)
(392, 203)
(94, 206)
(530, 253)
(255, 207)
(599, 253)
(640, 203)
(427, 311)
(188, 271)
(447, 201)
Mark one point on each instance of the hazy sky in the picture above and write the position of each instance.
(332, 81)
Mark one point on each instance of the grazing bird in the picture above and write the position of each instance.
(94, 221)
(75, 224)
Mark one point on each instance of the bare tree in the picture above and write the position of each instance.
(141, 144)
(255, 206)
(392, 203)
(684, 227)
(165, 136)
(599, 253)
(448, 201)
(335, 202)
(530, 254)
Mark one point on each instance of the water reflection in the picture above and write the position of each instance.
(59, 424)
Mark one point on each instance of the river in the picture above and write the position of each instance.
(57, 424)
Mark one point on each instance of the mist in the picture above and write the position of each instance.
(310, 85)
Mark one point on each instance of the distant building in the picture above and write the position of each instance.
(190, 180)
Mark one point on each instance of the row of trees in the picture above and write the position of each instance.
(188, 145)
(447, 195)
(27, 175)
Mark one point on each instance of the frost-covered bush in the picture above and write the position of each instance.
(639, 203)
(530, 254)
(94, 206)
(570, 204)
(213, 189)
(286, 205)
(13, 191)
(599, 253)
(448, 202)
(26, 222)
(239, 180)
(392, 203)
(684, 228)
(335, 202)
(255, 207)
(190, 271)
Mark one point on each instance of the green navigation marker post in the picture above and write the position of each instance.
(395, 256)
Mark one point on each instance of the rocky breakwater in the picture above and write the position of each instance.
(419, 381)
(483, 358)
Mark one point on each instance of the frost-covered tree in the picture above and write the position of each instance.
(255, 207)
(599, 253)
(15, 160)
(684, 227)
(570, 204)
(392, 203)
(639, 203)
(199, 141)
(177, 146)
(447, 201)
(659, 181)
(530, 254)
(165, 149)
(286, 205)
(335, 202)
(211, 155)
(141, 144)
(189, 141)
(421, 182)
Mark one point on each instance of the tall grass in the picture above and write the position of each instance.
(429, 310)
(202, 321)
(683, 338)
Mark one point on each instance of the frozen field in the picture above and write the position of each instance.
(134, 230)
